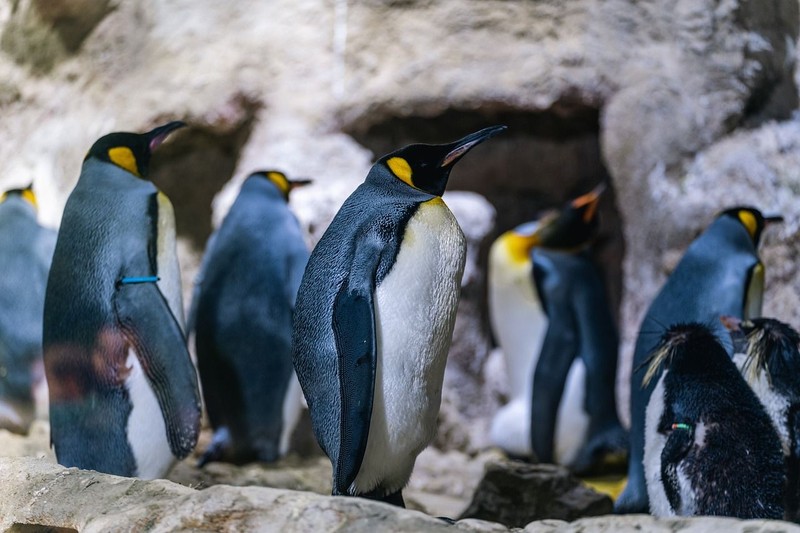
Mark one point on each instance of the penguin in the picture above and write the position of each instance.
(710, 448)
(720, 274)
(124, 397)
(767, 355)
(26, 250)
(545, 262)
(574, 380)
(242, 318)
(374, 319)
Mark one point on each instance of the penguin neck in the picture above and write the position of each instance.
(381, 178)
(264, 188)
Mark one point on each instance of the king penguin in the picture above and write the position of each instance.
(550, 315)
(767, 355)
(710, 448)
(374, 318)
(242, 318)
(720, 274)
(123, 391)
(26, 250)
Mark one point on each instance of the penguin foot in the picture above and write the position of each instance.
(215, 450)
(396, 498)
(605, 453)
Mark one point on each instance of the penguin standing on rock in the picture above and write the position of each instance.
(242, 317)
(26, 250)
(375, 315)
(720, 274)
(710, 448)
(552, 320)
(767, 355)
(123, 391)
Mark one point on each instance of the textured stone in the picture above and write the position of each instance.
(515, 493)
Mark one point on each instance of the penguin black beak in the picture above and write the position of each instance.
(772, 219)
(300, 182)
(156, 136)
(462, 146)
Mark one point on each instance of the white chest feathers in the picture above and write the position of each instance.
(776, 406)
(147, 432)
(169, 270)
(518, 320)
(415, 311)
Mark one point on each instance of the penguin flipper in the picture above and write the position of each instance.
(354, 331)
(675, 449)
(149, 326)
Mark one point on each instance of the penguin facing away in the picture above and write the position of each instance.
(769, 359)
(567, 282)
(710, 448)
(574, 381)
(123, 391)
(26, 250)
(374, 319)
(720, 274)
(242, 318)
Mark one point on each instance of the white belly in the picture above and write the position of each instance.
(511, 426)
(776, 406)
(415, 310)
(292, 406)
(169, 270)
(147, 432)
(653, 445)
(518, 321)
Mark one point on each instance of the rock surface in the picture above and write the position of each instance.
(514, 493)
(38, 494)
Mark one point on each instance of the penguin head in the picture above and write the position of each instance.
(575, 225)
(279, 179)
(685, 345)
(25, 193)
(131, 151)
(752, 220)
(570, 229)
(769, 345)
(427, 166)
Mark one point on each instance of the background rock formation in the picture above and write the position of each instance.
(683, 106)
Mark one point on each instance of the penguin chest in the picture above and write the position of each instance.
(776, 405)
(415, 310)
(169, 272)
(518, 319)
(146, 429)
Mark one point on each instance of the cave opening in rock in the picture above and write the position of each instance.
(192, 168)
(542, 161)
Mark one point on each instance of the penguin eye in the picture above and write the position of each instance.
(401, 169)
(123, 157)
(749, 221)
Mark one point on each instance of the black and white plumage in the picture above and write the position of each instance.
(710, 448)
(767, 355)
(26, 250)
(242, 318)
(123, 391)
(374, 319)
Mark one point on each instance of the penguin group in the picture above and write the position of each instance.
(359, 328)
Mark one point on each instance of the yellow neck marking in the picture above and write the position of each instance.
(519, 246)
(401, 169)
(749, 220)
(28, 195)
(122, 156)
(280, 181)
